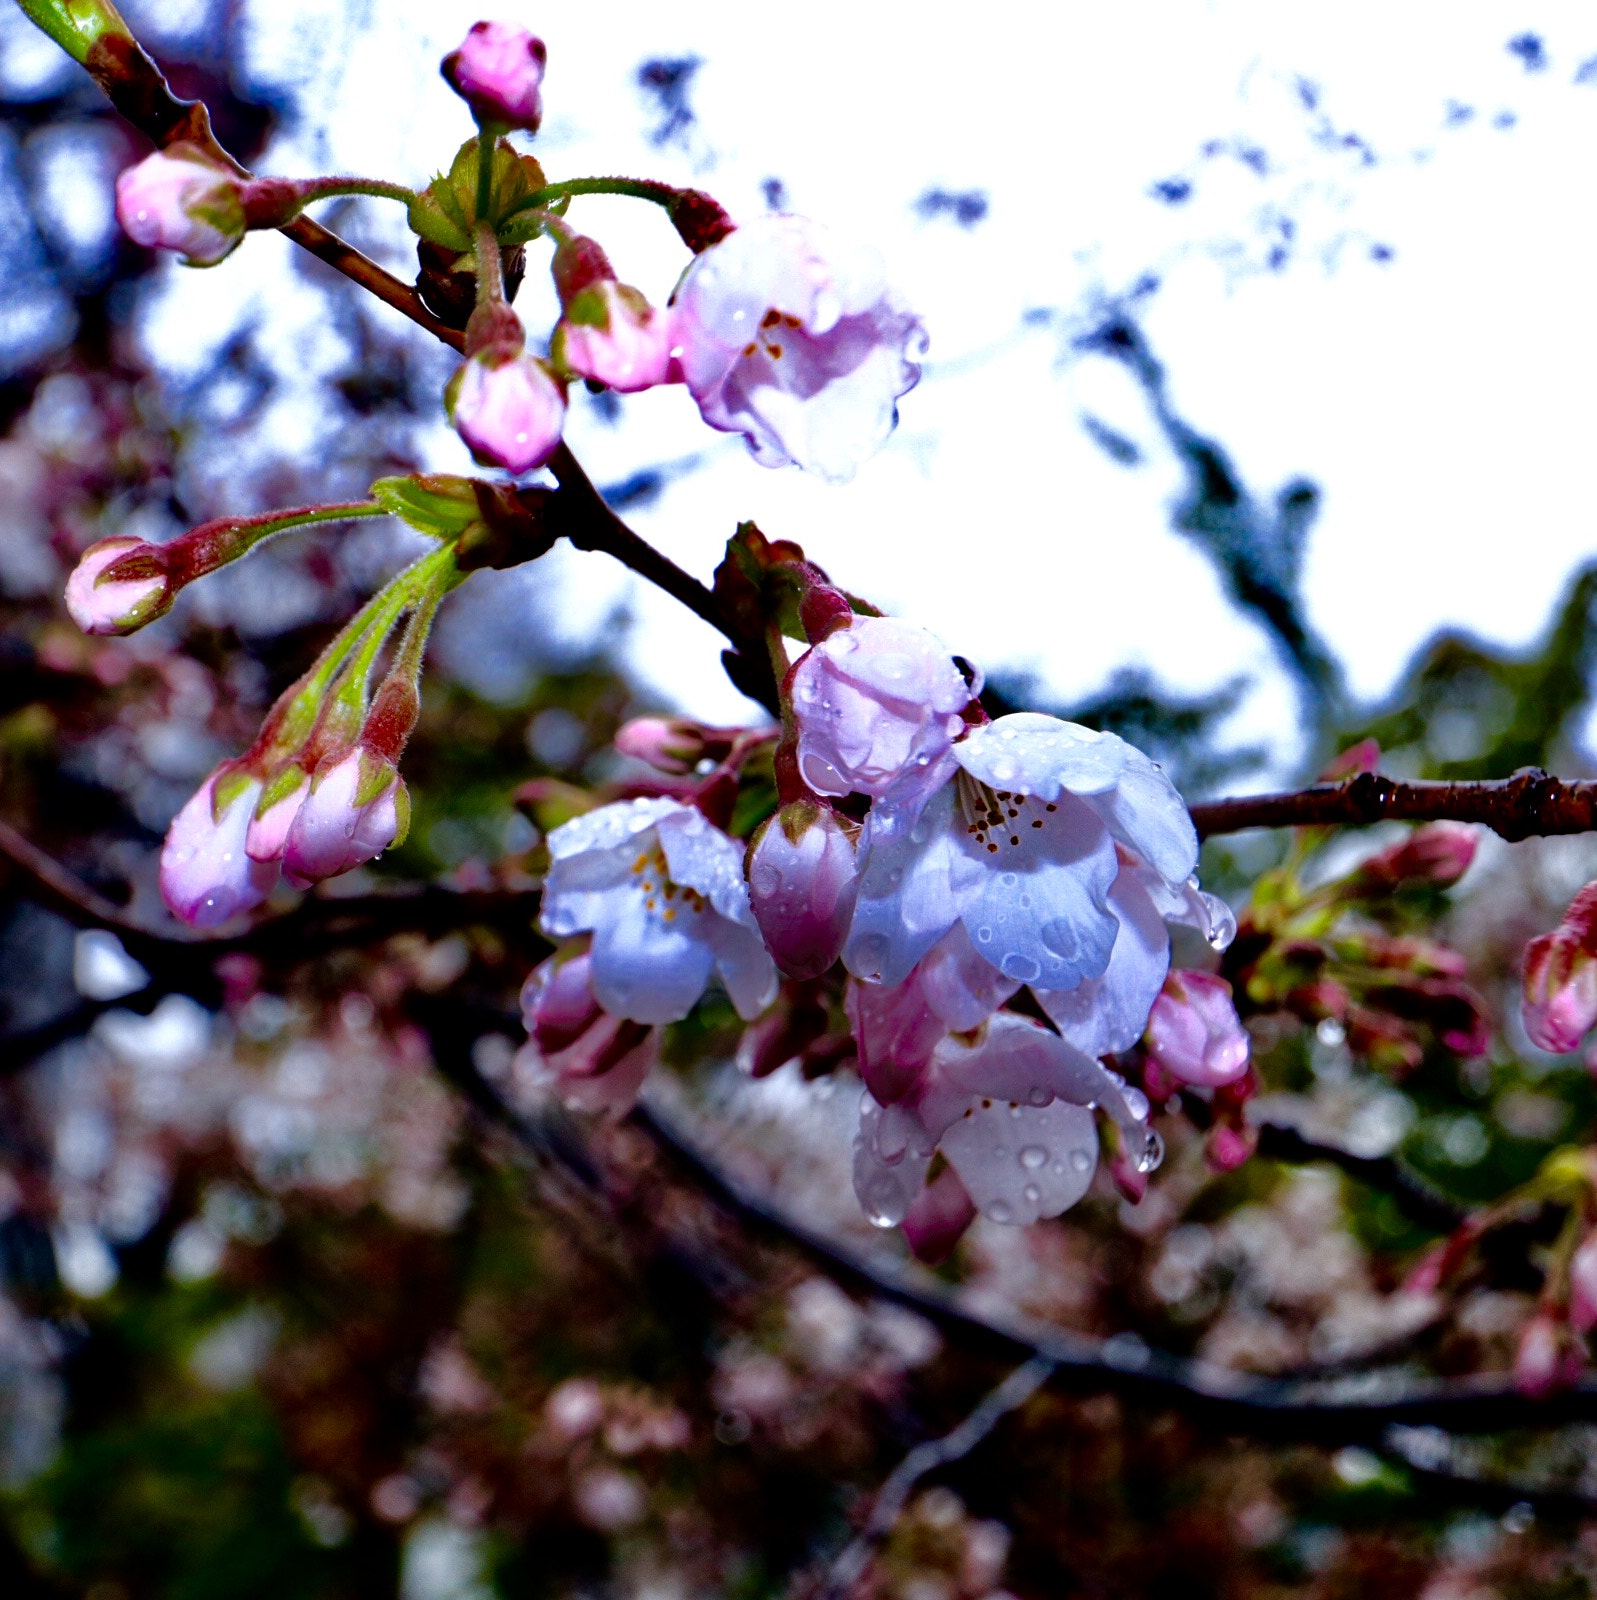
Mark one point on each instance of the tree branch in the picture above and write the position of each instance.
(1531, 803)
(928, 1456)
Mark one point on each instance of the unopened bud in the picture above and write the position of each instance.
(117, 586)
(509, 412)
(1547, 1359)
(179, 199)
(803, 882)
(1194, 1033)
(669, 744)
(357, 808)
(1560, 1001)
(610, 334)
(1583, 1285)
(498, 71)
(206, 876)
(1440, 854)
(937, 1220)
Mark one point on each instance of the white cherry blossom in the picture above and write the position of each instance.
(661, 889)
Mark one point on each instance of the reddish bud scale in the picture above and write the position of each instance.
(392, 718)
(495, 329)
(578, 264)
(700, 220)
(790, 785)
(823, 610)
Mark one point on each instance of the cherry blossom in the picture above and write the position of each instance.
(787, 333)
(1560, 1001)
(802, 884)
(509, 409)
(661, 889)
(593, 1060)
(1194, 1034)
(498, 71)
(876, 701)
(206, 875)
(103, 602)
(177, 199)
(1010, 1108)
(612, 335)
(355, 808)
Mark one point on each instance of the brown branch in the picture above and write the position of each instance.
(1531, 803)
(926, 1457)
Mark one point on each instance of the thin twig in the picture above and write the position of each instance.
(891, 1498)
(1531, 803)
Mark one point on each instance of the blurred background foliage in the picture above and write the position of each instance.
(285, 1313)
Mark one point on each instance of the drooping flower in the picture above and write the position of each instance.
(788, 334)
(1560, 1000)
(661, 889)
(356, 807)
(876, 701)
(101, 601)
(1010, 1108)
(508, 408)
(593, 1060)
(1194, 1033)
(206, 875)
(498, 71)
(1019, 846)
(178, 199)
(802, 884)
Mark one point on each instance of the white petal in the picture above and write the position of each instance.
(703, 858)
(1103, 1015)
(1021, 1163)
(644, 967)
(961, 989)
(891, 1155)
(609, 827)
(1042, 755)
(1040, 913)
(913, 882)
(745, 966)
(1145, 812)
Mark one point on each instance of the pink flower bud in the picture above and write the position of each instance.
(176, 199)
(558, 1004)
(873, 701)
(1194, 1034)
(498, 72)
(939, 1217)
(612, 335)
(1560, 1003)
(1583, 1285)
(802, 887)
(206, 876)
(1228, 1147)
(1546, 1360)
(1439, 853)
(102, 602)
(669, 744)
(357, 807)
(509, 411)
(268, 833)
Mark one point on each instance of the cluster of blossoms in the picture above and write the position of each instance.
(997, 894)
(976, 913)
(782, 330)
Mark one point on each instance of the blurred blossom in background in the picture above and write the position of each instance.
(1257, 343)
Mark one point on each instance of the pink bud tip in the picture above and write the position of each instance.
(669, 744)
(803, 882)
(510, 413)
(612, 335)
(1228, 1147)
(177, 201)
(206, 875)
(1583, 1286)
(342, 822)
(1560, 1000)
(939, 1217)
(1194, 1033)
(498, 71)
(100, 604)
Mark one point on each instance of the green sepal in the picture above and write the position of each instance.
(435, 503)
(228, 787)
(761, 579)
(375, 776)
(401, 815)
(445, 212)
(75, 25)
(283, 783)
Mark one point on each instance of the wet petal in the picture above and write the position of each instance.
(1022, 1163)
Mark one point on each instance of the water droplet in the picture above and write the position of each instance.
(984, 935)
(1000, 1211)
(1152, 1152)
(1008, 879)
(1039, 1096)
(1033, 1156)
(868, 955)
(1060, 936)
(1020, 967)
(1080, 1160)
(1137, 1104)
(1222, 922)
(1032, 1193)
(883, 1201)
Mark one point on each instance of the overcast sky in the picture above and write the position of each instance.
(1419, 344)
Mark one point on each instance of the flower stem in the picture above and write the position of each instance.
(661, 194)
(325, 188)
(490, 267)
(486, 141)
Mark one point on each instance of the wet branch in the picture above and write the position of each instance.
(1531, 803)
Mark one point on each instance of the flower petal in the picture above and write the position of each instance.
(644, 967)
(744, 965)
(1102, 1015)
(891, 1155)
(1022, 1163)
(704, 859)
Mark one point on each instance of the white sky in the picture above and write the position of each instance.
(1441, 400)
